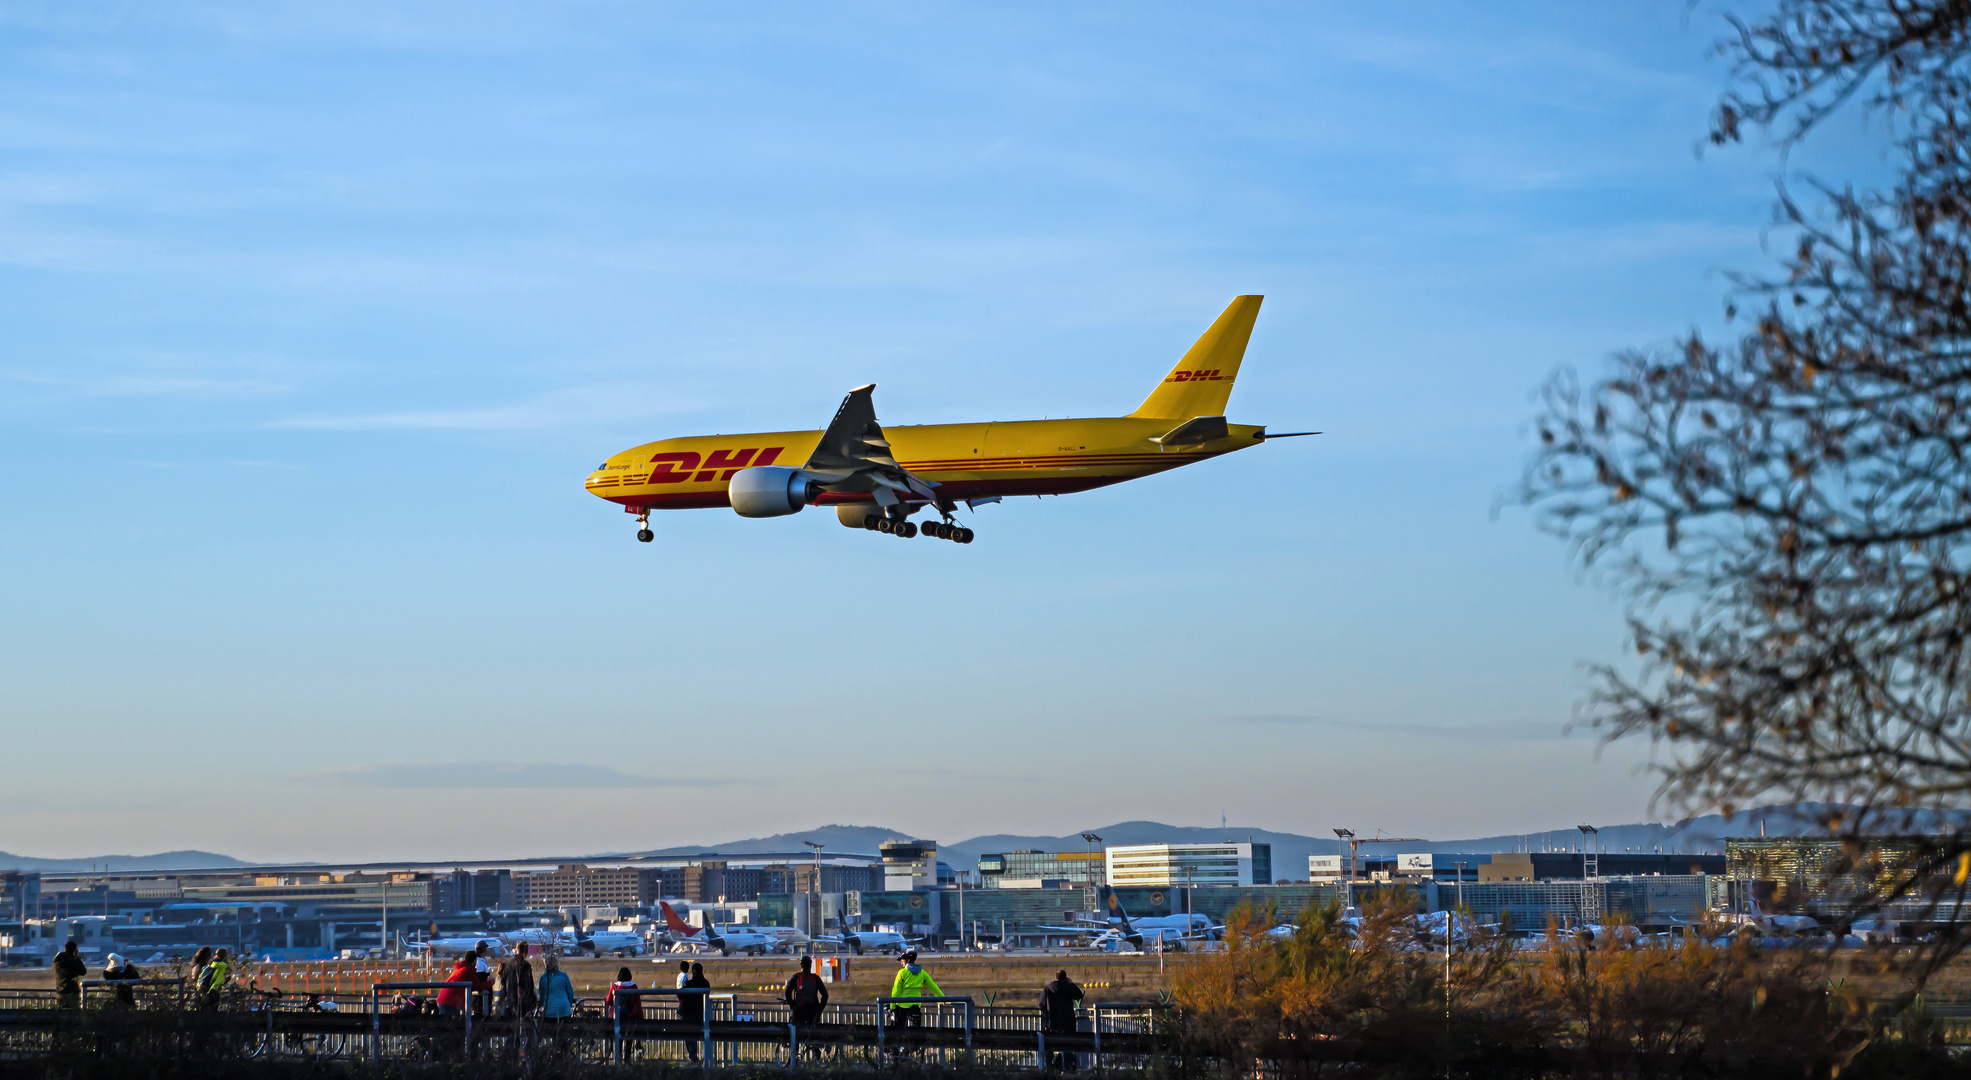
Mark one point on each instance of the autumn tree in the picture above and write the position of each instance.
(1787, 508)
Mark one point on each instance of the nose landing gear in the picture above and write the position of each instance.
(643, 532)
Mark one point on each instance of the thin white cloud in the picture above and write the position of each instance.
(574, 407)
(497, 774)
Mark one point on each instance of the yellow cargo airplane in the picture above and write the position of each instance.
(877, 477)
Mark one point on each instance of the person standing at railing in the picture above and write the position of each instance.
(451, 1000)
(1058, 1001)
(482, 978)
(806, 995)
(120, 970)
(517, 984)
(69, 970)
(911, 981)
(557, 994)
(213, 980)
(632, 1005)
(691, 1007)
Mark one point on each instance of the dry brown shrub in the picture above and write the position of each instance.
(1371, 1001)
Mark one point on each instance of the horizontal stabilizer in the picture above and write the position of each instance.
(1198, 429)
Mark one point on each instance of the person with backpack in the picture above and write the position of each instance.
(212, 981)
(806, 995)
(201, 960)
(1058, 1001)
(517, 984)
(69, 970)
(632, 1004)
(691, 1007)
(556, 993)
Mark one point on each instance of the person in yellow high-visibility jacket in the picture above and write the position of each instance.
(911, 981)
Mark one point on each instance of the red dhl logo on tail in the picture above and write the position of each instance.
(1196, 376)
(683, 466)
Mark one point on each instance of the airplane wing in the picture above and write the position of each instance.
(853, 455)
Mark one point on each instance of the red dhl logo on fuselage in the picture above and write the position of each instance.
(1196, 376)
(683, 466)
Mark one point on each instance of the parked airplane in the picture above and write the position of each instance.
(708, 936)
(1172, 930)
(876, 478)
(861, 941)
(540, 937)
(788, 938)
(454, 946)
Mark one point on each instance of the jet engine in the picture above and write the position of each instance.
(770, 491)
(852, 514)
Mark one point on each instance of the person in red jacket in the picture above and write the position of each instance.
(451, 1000)
(632, 1004)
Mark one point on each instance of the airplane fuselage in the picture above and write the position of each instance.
(965, 461)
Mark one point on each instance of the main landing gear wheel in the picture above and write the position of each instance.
(884, 525)
(645, 535)
(873, 522)
(962, 535)
(906, 530)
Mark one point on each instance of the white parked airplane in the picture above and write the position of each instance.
(790, 939)
(690, 938)
(861, 941)
(455, 946)
(1171, 930)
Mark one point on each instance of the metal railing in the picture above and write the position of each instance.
(177, 985)
(374, 1000)
(682, 992)
(920, 1002)
(731, 1031)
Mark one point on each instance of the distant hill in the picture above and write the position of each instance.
(166, 860)
(840, 839)
(1290, 850)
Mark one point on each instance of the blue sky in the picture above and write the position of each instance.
(315, 317)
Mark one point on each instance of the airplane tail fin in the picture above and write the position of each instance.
(673, 923)
(1201, 383)
(1114, 905)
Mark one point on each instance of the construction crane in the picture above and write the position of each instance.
(1348, 836)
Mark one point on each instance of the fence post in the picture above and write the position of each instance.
(376, 1032)
(1096, 1013)
(1041, 1060)
(616, 1024)
(793, 1047)
(968, 1027)
(705, 1018)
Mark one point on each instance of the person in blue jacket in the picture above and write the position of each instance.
(557, 994)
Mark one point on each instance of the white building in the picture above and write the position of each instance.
(1168, 865)
(909, 865)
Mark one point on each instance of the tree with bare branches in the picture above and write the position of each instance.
(1788, 512)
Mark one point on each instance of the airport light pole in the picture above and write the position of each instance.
(1094, 895)
(1348, 837)
(814, 913)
